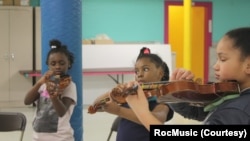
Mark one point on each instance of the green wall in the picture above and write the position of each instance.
(123, 20)
(143, 20)
(228, 14)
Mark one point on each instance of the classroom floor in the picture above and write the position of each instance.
(96, 127)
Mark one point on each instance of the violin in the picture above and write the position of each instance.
(175, 91)
(62, 80)
(98, 105)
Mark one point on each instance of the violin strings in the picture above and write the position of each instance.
(153, 85)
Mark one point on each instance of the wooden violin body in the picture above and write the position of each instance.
(182, 91)
(186, 91)
(178, 91)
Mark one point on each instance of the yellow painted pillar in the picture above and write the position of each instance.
(187, 52)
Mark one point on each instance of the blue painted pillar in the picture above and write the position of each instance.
(62, 19)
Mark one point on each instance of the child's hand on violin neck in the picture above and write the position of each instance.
(53, 89)
(181, 74)
(56, 83)
(47, 76)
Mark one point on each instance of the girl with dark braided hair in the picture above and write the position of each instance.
(154, 58)
(148, 68)
(55, 95)
(184, 108)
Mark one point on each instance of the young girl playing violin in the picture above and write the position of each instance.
(148, 68)
(233, 63)
(56, 97)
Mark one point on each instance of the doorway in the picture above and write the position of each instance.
(201, 33)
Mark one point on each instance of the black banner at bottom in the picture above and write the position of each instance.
(199, 132)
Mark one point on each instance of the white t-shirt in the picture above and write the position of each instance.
(47, 125)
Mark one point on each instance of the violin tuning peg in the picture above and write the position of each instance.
(198, 81)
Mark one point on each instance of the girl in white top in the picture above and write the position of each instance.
(55, 96)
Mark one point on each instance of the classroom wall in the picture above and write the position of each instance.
(142, 20)
(123, 20)
(228, 14)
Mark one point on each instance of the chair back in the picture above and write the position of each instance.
(114, 127)
(115, 124)
(12, 121)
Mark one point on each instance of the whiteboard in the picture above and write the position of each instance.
(119, 57)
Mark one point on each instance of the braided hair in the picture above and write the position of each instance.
(57, 47)
(154, 58)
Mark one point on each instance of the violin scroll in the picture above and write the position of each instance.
(64, 81)
(94, 108)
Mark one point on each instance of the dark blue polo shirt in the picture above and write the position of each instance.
(131, 131)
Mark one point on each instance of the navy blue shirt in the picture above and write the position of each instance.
(234, 111)
(188, 111)
(131, 131)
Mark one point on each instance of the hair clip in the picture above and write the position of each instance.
(53, 46)
(146, 51)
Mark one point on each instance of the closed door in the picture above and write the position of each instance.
(16, 26)
(21, 52)
(4, 54)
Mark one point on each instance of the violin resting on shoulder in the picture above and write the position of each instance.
(176, 91)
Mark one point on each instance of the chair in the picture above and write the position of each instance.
(13, 121)
(114, 126)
